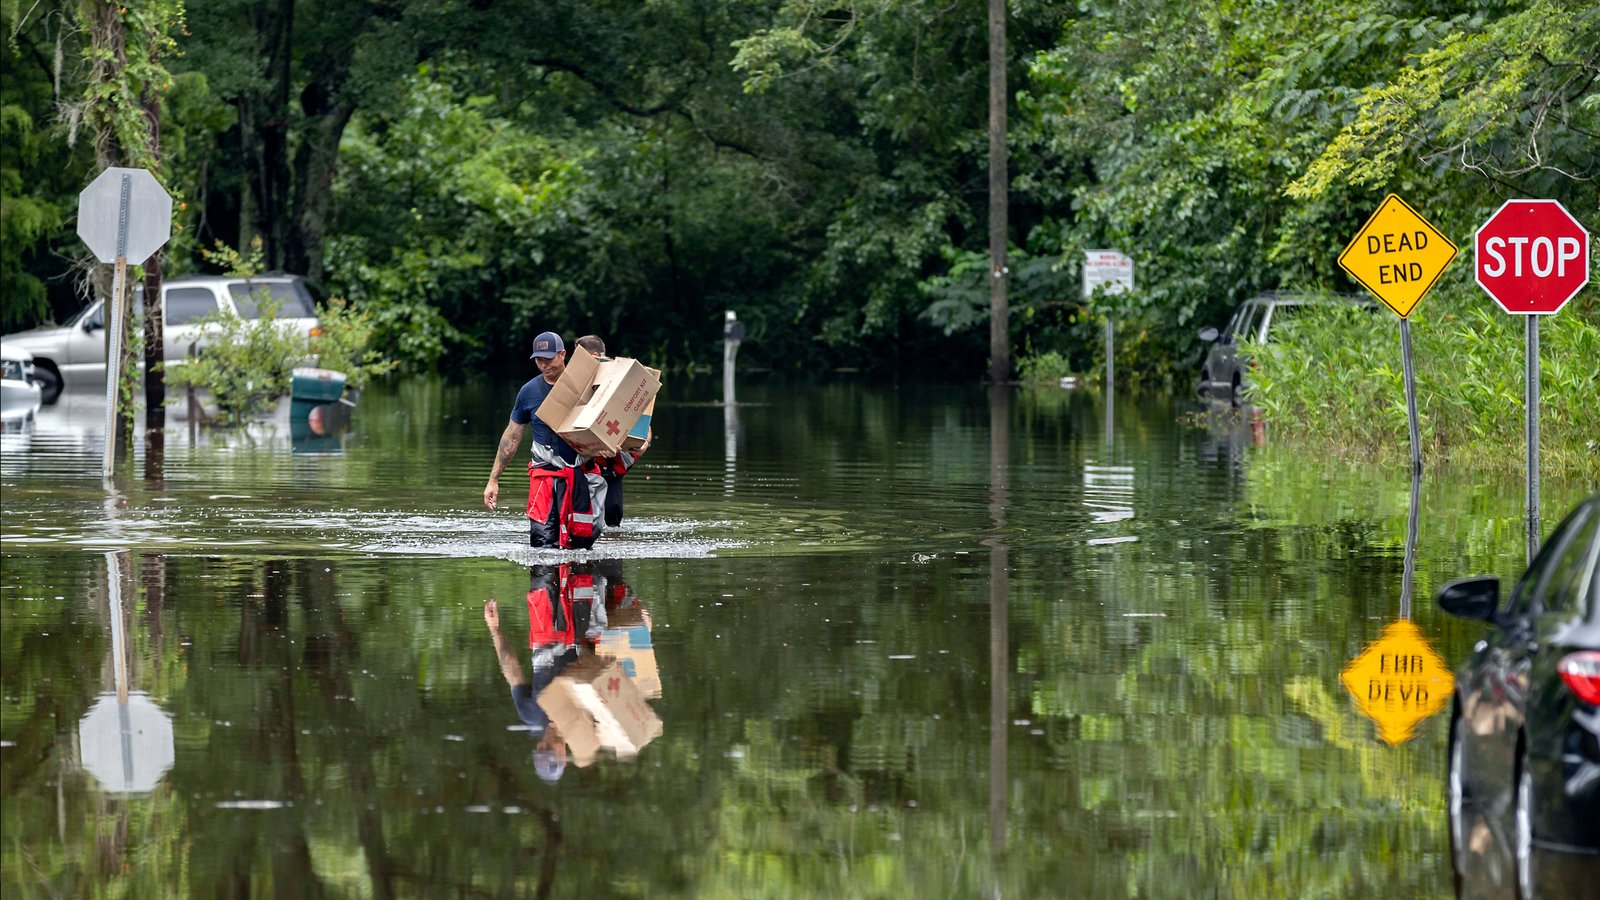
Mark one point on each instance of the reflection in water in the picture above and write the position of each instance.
(125, 738)
(1108, 493)
(1408, 575)
(568, 700)
(999, 635)
(1156, 711)
(1399, 680)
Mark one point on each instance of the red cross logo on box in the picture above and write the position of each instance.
(613, 428)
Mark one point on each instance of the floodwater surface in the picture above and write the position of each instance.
(915, 641)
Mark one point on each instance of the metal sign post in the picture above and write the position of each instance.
(1113, 271)
(113, 318)
(1410, 371)
(1111, 381)
(733, 332)
(1531, 405)
(1397, 256)
(1531, 256)
(1399, 680)
(123, 213)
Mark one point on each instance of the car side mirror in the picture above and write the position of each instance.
(91, 324)
(1471, 598)
(1208, 334)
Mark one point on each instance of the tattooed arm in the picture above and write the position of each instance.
(510, 440)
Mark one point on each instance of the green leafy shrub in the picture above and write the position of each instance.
(1332, 377)
(1044, 367)
(246, 365)
(344, 344)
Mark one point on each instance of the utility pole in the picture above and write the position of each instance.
(999, 305)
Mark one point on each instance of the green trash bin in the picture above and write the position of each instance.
(310, 387)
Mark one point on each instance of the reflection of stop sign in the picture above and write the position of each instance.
(1531, 256)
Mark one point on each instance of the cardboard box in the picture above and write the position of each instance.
(573, 724)
(640, 432)
(595, 403)
(629, 643)
(596, 706)
(641, 428)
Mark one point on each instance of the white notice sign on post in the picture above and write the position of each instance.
(1109, 268)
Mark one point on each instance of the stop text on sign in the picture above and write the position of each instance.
(1397, 255)
(1531, 256)
(1544, 255)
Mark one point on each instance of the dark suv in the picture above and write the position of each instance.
(1222, 374)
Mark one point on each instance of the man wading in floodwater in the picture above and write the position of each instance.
(612, 468)
(564, 504)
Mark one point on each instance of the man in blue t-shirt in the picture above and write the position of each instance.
(556, 489)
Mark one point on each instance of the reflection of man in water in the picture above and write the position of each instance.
(563, 619)
(614, 592)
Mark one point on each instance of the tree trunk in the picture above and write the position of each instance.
(155, 379)
(264, 136)
(275, 132)
(316, 163)
(250, 193)
(999, 308)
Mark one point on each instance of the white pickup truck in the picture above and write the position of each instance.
(75, 353)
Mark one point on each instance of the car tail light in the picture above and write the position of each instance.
(316, 331)
(1581, 672)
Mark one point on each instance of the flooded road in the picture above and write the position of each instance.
(915, 642)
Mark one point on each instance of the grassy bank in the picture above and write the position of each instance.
(1331, 381)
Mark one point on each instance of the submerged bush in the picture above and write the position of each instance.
(246, 363)
(249, 363)
(1044, 367)
(342, 345)
(1332, 376)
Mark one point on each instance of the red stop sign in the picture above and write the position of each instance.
(1531, 256)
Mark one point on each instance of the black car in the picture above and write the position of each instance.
(1524, 783)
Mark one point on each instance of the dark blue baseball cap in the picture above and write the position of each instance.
(547, 346)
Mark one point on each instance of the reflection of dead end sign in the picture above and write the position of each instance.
(1398, 681)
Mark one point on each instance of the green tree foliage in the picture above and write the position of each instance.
(246, 367)
(1512, 100)
(39, 173)
(470, 173)
(1171, 132)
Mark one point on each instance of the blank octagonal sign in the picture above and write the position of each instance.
(149, 221)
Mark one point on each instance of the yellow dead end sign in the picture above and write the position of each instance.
(1398, 681)
(1397, 255)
